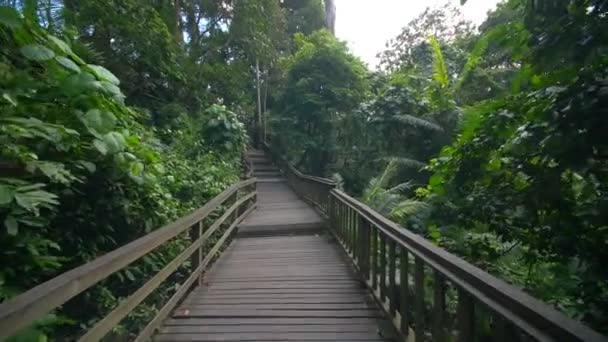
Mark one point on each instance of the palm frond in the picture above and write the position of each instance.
(376, 185)
(417, 122)
(408, 208)
(440, 71)
(407, 162)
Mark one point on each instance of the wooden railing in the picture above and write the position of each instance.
(430, 294)
(314, 190)
(25, 309)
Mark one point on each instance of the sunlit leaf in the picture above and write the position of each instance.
(104, 74)
(101, 121)
(68, 64)
(115, 142)
(37, 52)
(63, 46)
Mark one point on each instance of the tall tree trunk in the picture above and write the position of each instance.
(259, 119)
(265, 103)
(330, 16)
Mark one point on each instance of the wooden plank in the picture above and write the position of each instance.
(35, 303)
(278, 313)
(276, 306)
(339, 336)
(243, 321)
(278, 296)
(269, 328)
(354, 299)
(292, 291)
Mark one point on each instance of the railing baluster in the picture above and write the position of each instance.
(466, 316)
(374, 253)
(382, 267)
(364, 247)
(438, 307)
(404, 287)
(355, 223)
(393, 292)
(197, 256)
(342, 223)
(419, 299)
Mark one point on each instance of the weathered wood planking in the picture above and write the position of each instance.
(285, 288)
(280, 211)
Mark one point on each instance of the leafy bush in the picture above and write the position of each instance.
(81, 176)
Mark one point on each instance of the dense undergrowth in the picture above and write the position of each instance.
(82, 173)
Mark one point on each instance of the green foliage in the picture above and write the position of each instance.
(80, 175)
(323, 83)
(224, 130)
(519, 187)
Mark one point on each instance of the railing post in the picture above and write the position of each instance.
(438, 307)
(364, 247)
(466, 316)
(392, 270)
(196, 231)
(405, 293)
(419, 299)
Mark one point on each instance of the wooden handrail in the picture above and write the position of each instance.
(34, 304)
(369, 237)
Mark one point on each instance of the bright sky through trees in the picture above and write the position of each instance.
(367, 25)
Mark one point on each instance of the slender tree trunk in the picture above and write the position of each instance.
(259, 120)
(179, 36)
(330, 16)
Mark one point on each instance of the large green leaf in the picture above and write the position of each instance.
(6, 194)
(63, 46)
(9, 17)
(99, 121)
(68, 64)
(12, 226)
(104, 74)
(37, 52)
(115, 142)
(80, 83)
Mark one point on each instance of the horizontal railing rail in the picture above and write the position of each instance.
(31, 306)
(314, 190)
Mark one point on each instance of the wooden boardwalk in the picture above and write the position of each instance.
(282, 279)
